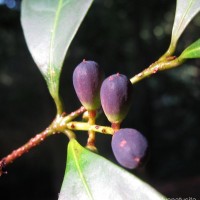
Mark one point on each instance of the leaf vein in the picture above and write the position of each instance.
(184, 14)
(51, 51)
(81, 175)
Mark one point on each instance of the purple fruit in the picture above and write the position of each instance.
(129, 147)
(87, 79)
(116, 96)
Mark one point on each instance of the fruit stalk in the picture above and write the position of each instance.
(83, 126)
(91, 133)
(115, 126)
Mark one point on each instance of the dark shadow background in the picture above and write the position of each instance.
(122, 36)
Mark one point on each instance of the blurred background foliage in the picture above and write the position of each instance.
(122, 36)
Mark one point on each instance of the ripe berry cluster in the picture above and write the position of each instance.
(114, 94)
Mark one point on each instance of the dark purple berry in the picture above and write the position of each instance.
(129, 147)
(116, 96)
(87, 79)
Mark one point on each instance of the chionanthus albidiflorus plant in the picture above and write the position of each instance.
(48, 35)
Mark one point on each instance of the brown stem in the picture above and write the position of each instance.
(55, 127)
(37, 139)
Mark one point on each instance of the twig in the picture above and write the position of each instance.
(37, 139)
(55, 127)
(168, 63)
(73, 115)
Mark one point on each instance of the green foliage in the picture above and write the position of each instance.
(89, 176)
(193, 51)
(49, 27)
(185, 12)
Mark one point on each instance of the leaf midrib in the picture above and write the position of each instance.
(52, 39)
(183, 16)
(81, 174)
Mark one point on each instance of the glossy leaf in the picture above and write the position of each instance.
(89, 176)
(49, 27)
(193, 51)
(185, 11)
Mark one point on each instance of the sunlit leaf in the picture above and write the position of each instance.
(193, 51)
(49, 27)
(89, 176)
(185, 11)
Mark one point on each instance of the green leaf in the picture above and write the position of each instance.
(193, 51)
(185, 11)
(49, 27)
(89, 176)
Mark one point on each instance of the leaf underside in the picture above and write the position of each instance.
(89, 176)
(49, 27)
(185, 11)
